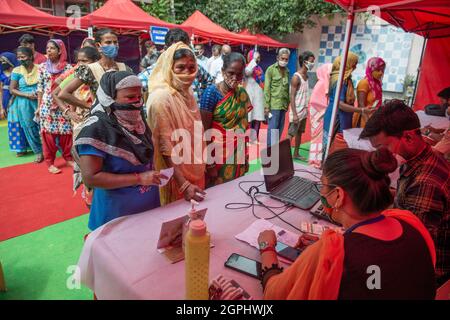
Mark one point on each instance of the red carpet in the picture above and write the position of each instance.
(32, 198)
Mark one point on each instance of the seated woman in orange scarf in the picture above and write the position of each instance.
(383, 254)
(175, 121)
(224, 110)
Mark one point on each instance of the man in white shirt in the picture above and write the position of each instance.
(215, 55)
(217, 65)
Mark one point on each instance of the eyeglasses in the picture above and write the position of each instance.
(318, 186)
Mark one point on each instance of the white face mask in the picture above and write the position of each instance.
(309, 65)
(282, 64)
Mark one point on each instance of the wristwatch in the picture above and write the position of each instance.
(265, 246)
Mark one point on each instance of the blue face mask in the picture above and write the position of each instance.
(110, 51)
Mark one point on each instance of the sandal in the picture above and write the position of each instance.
(39, 158)
(54, 170)
(299, 157)
(20, 154)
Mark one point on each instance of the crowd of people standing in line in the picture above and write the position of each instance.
(123, 129)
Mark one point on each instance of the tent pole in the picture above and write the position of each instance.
(90, 32)
(348, 36)
(419, 71)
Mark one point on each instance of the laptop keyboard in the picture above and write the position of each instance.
(297, 188)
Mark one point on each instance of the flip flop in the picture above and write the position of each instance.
(300, 158)
(39, 158)
(54, 170)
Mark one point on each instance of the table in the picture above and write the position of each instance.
(434, 121)
(120, 260)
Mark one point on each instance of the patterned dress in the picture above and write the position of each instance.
(51, 117)
(230, 114)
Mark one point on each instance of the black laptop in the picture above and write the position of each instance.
(281, 183)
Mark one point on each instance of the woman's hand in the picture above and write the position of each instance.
(268, 236)
(74, 116)
(32, 96)
(306, 240)
(191, 193)
(149, 178)
(211, 173)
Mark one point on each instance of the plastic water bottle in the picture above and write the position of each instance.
(197, 261)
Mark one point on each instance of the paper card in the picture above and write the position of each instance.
(168, 173)
(250, 235)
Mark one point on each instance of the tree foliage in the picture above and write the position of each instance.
(273, 17)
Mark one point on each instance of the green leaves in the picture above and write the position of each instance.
(272, 17)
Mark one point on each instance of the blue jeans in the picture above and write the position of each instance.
(276, 123)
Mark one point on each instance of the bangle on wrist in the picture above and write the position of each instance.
(184, 187)
(66, 111)
(138, 177)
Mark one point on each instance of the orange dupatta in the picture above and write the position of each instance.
(317, 273)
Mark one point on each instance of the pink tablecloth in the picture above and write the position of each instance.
(120, 260)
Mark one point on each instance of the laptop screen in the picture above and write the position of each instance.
(277, 164)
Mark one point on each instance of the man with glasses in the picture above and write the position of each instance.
(423, 186)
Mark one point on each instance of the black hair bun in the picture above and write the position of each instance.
(378, 164)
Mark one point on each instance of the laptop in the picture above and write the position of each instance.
(283, 185)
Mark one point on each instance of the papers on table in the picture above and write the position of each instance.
(351, 136)
(434, 121)
(250, 235)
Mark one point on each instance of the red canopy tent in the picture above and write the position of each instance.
(18, 16)
(124, 16)
(202, 27)
(265, 41)
(428, 18)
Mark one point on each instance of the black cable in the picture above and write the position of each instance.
(253, 197)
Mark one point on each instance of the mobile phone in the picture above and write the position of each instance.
(287, 252)
(244, 265)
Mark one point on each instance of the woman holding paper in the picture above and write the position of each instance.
(115, 152)
(176, 124)
(370, 91)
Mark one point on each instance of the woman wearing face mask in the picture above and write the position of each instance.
(345, 106)
(54, 122)
(299, 97)
(224, 108)
(107, 44)
(85, 56)
(369, 91)
(8, 61)
(24, 81)
(114, 150)
(373, 259)
(173, 115)
(255, 88)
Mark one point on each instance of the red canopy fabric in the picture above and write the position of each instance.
(16, 13)
(265, 41)
(122, 14)
(428, 18)
(434, 72)
(201, 26)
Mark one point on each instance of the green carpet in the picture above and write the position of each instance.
(35, 264)
(8, 158)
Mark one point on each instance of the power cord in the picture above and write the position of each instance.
(253, 193)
